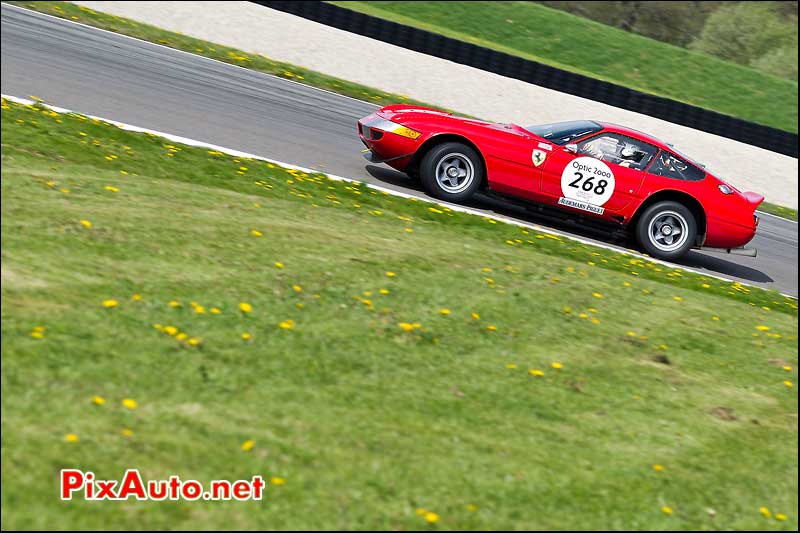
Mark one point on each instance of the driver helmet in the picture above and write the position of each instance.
(629, 150)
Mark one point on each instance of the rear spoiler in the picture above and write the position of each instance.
(754, 199)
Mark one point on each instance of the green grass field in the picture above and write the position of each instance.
(580, 45)
(778, 210)
(391, 360)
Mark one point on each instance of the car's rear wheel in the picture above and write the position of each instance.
(451, 171)
(666, 230)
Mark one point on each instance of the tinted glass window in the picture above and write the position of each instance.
(564, 132)
(671, 166)
(618, 149)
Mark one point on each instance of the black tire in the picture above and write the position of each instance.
(656, 230)
(447, 186)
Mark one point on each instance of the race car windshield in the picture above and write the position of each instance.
(565, 132)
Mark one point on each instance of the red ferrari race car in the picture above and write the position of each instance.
(592, 170)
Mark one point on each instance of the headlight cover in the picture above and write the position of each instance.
(397, 129)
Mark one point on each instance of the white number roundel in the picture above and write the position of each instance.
(589, 180)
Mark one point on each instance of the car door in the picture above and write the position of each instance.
(602, 172)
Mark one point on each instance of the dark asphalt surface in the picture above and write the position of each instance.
(99, 73)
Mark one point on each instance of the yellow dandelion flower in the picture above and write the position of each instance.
(170, 330)
(405, 326)
(286, 324)
(476, 316)
(277, 481)
(256, 233)
(108, 304)
(174, 303)
(444, 312)
(491, 327)
(126, 432)
(536, 372)
(787, 368)
(248, 445)
(788, 383)
(706, 286)
(245, 307)
(136, 297)
(246, 336)
(631, 334)
(194, 341)
(597, 295)
(421, 511)
(384, 291)
(431, 518)
(86, 224)
(765, 512)
(215, 310)
(98, 400)
(715, 318)
(780, 516)
(677, 298)
(658, 468)
(199, 309)
(181, 336)
(390, 274)
(472, 508)
(278, 264)
(556, 365)
(37, 334)
(71, 437)
(111, 188)
(511, 366)
(762, 328)
(297, 288)
(666, 510)
(130, 403)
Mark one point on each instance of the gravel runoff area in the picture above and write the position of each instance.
(256, 29)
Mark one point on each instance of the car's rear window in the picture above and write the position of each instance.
(565, 132)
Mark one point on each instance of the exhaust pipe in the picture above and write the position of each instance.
(747, 252)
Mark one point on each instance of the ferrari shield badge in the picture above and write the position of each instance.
(538, 157)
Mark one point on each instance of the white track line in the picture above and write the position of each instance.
(453, 207)
(237, 66)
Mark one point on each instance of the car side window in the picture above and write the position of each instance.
(669, 165)
(618, 149)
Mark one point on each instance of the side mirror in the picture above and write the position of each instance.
(571, 148)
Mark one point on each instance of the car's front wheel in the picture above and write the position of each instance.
(451, 172)
(666, 230)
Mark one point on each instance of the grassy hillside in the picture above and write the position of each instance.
(579, 45)
(393, 357)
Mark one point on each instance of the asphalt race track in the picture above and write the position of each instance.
(104, 74)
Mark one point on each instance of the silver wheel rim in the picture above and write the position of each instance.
(668, 231)
(454, 173)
